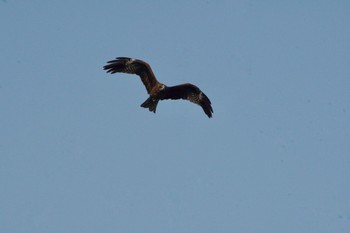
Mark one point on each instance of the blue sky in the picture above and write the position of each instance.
(78, 154)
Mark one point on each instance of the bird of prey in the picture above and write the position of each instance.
(156, 90)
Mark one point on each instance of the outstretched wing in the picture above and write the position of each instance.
(189, 92)
(133, 66)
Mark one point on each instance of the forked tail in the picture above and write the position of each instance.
(151, 104)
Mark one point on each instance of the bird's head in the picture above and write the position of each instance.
(162, 87)
(161, 90)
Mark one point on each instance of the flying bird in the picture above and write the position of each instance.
(156, 90)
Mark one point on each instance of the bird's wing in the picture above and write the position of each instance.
(133, 66)
(189, 92)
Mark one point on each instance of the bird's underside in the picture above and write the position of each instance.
(155, 89)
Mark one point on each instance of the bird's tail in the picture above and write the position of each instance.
(151, 104)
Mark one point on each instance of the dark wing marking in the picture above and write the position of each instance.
(189, 92)
(133, 66)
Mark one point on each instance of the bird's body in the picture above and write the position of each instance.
(155, 89)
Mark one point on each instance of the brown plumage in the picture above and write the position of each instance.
(157, 90)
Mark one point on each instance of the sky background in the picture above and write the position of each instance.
(78, 154)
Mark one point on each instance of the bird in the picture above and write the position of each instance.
(158, 91)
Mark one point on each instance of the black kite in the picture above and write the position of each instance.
(155, 89)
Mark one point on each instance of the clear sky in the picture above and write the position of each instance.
(78, 154)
